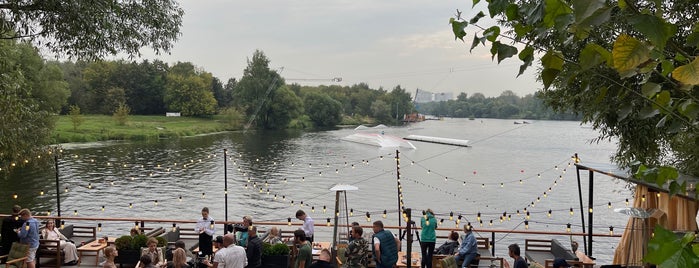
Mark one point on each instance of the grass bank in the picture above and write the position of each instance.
(138, 127)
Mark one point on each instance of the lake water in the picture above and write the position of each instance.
(507, 168)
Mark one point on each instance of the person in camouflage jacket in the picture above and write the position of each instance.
(358, 250)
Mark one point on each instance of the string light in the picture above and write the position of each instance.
(627, 202)
(611, 230)
(549, 214)
(288, 221)
(313, 209)
(130, 205)
(526, 225)
(102, 208)
(203, 195)
(527, 215)
(75, 212)
(41, 192)
(384, 213)
(368, 217)
(351, 212)
(63, 224)
(643, 198)
(478, 216)
(174, 227)
(156, 202)
(328, 221)
(609, 205)
(14, 196)
(324, 209)
(451, 215)
(568, 227)
(180, 198)
(99, 227)
(571, 211)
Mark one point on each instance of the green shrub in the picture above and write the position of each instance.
(123, 242)
(139, 242)
(276, 249)
(161, 241)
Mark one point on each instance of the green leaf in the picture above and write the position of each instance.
(676, 188)
(586, 8)
(526, 56)
(649, 89)
(622, 4)
(477, 40)
(476, 18)
(648, 112)
(458, 28)
(663, 98)
(494, 49)
(475, 2)
(602, 94)
(553, 9)
(693, 39)
(663, 247)
(496, 7)
(521, 30)
(624, 111)
(592, 56)
(506, 51)
(552, 60)
(628, 53)
(655, 28)
(689, 109)
(512, 12)
(492, 33)
(548, 76)
(667, 67)
(688, 74)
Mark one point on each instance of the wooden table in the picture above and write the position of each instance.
(402, 259)
(95, 246)
(316, 247)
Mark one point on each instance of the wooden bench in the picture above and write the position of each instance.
(538, 251)
(50, 249)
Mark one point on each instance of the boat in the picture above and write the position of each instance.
(380, 140)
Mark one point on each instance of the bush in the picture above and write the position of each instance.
(276, 249)
(139, 242)
(123, 242)
(161, 241)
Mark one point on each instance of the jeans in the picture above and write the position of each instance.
(427, 251)
(467, 259)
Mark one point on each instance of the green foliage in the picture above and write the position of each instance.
(322, 109)
(161, 241)
(284, 107)
(75, 117)
(256, 89)
(189, 91)
(121, 114)
(667, 249)
(274, 250)
(139, 241)
(103, 27)
(123, 242)
(232, 118)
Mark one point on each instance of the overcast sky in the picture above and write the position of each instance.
(383, 43)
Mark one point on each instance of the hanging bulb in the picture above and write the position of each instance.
(288, 221)
(384, 213)
(211, 225)
(611, 230)
(180, 198)
(75, 212)
(478, 216)
(451, 215)
(14, 195)
(481, 223)
(99, 227)
(482, 185)
(102, 208)
(527, 215)
(130, 205)
(441, 221)
(571, 211)
(368, 217)
(63, 224)
(41, 192)
(643, 198)
(549, 214)
(491, 223)
(526, 225)
(590, 210)
(351, 212)
(502, 185)
(609, 205)
(156, 202)
(328, 221)
(323, 208)
(174, 227)
(313, 209)
(89, 185)
(568, 227)
(627, 202)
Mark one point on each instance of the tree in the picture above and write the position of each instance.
(75, 116)
(121, 114)
(323, 110)
(284, 106)
(634, 77)
(381, 111)
(254, 92)
(190, 95)
(95, 30)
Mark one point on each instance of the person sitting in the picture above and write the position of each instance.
(449, 246)
(145, 262)
(135, 231)
(179, 259)
(272, 236)
(155, 253)
(580, 255)
(468, 248)
(110, 253)
(323, 260)
(50, 232)
(560, 263)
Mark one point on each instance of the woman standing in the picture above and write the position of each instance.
(428, 238)
(51, 233)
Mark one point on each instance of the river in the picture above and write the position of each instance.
(507, 167)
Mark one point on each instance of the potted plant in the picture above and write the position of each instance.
(275, 256)
(129, 249)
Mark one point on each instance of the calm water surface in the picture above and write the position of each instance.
(186, 174)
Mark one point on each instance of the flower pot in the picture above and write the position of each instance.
(127, 256)
(275, 261)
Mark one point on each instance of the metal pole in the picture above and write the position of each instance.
(400, 210)
(589, 214)
(582, 214)
(225, 187)
(492, 243)
(408, 254)
(58, 191)
(333, 246)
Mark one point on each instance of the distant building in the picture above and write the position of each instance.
(426, 96)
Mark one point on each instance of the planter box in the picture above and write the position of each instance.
(275, 261)
(129, 257)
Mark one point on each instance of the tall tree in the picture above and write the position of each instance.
(189, 91)
(323, 110)
(90, 31)
(256, 89)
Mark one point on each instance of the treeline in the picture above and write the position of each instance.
(507, 105)
(261, 97)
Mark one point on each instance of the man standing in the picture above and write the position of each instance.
(384, 247)
(304, 255)
(205, 229)
(307, 224)
(358, 250)
(514, 253)
(235, 255)
(9, 230)
(254, 249)
(29, 234)
(468, 248)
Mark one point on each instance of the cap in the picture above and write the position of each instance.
(219, 239)
(559, 262)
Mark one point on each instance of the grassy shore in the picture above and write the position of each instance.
(138, 127)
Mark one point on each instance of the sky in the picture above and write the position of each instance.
(383, 43)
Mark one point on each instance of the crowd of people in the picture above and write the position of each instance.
(243, 248)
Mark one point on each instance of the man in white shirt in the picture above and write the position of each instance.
(230, 255)
(205, 229)
(307, 224)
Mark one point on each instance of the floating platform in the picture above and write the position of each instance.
(379, 140)
(438, 140)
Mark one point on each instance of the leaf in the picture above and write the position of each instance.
(521, 30)
(593, 55)
(649, 89)
(554, 9)
(602, 94)
(548, 76)
(492, 33)
(476, 18)
(527, 56)
(667, 67)
(506, 51)
(622, 4)
(648, 112)
(663, 247)
(656, 29)
(458, 28)
(552, 60)
(496, 7)
(512, 12)
(676, 188)
(689, 109)
(477, 40)
(494, 49)
(662, 121)
(663, 98)
(585, 8)
(475, 2)
(624, 111)
(693, 39)
(628, 53)
(688, 74)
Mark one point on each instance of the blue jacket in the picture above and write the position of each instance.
(469, 245)
(29, 233)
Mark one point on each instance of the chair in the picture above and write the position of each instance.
(17, 256)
